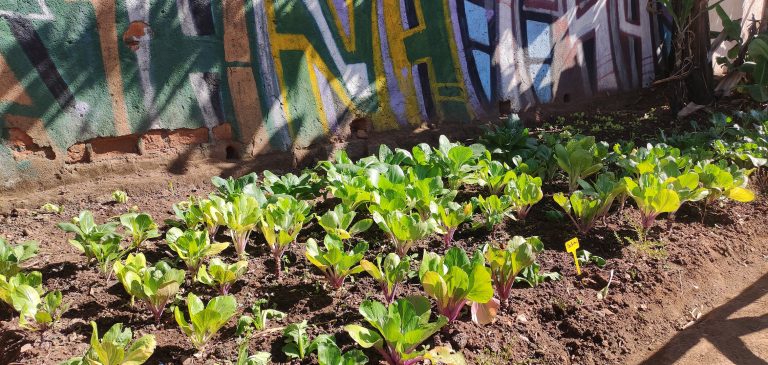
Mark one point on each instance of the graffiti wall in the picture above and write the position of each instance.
(82, 80)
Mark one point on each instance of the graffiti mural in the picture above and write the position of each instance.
(282, 74)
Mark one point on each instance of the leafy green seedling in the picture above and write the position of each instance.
(241, 216)
(258, 322)
(398, 329)
(281, 223)
(507, 262)
(205, 320)
(337, 222)
(653, 196)
(335, 263)
(451, 216)
(403, 229)
(220, 274)
(389, 272)
(115, 348)
(52, 208)
(493, 209)
(9, 284)
(328, 353)
(580, 158)
(230, 187)
(193, 247)
(36, 313)
(119, 197)
(524, 191)
(154, 285)
(297, 343)
(454, 281)
(141, 227)
(13, 256)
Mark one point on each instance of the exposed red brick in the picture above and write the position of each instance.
(223, 132)
(77, 153)
(24, 146)
(181, 137)
(114, 146)
(154, 141)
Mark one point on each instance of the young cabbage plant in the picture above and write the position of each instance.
(653, 196)
(105, 253)
(188, 214)
(328, 353)
(259, 358)
(281, 223)
(221, 275)
(352, 191)
(297, 343)
(88, 235)
(584, 207)
(533, 276)
(13, 256)
(304, 187)
(119, 197)
(455, 281)
(193, 247)
(241, 216)
(389, 272)
(230, 187)
(507, 262)
(37, 313)
(403, 229)
(9, 284)
(397, 330)
(51, 208)
(213, 212)
(687, 187)
(723, 181)
(450, 217)
(456, 161)
(115, 348)
(140, 227)
(580, 158)
(154, 285)
(335, 263)
(524, 191)
(258, 322)
(424, 195)
(205, 320)
(494, 175)
(337, 222)
(493, 208)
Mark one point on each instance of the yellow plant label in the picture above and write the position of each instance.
(571, 246)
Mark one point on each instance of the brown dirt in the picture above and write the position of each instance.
(704, 263)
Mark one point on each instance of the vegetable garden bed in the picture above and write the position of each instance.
(640, 274)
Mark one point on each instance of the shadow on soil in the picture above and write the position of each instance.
(722, 332)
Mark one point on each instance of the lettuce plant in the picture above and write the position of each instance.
(281, 223)
(9, 284)
(247, 324)
(304, 187)
(188, 213)
(230, 187)
(297, 343)
(424, 195)
(13, 256)
(584, 207)
(524, 191)
(455, 160)
(154, 285)
(205, 320)
(653, 196)
(115, 348)
(328, 353)
(193, 247)
(89, 237)
(403, 229)
(51, 208)
(119, 196)
(389, 271)
(494, 175)
(241, 216)
(493, 208)
(450, 217)
(220, 274)
(506, 262)
(580, 158)
(37, 313)
(533, 276)
(397, 329)
(455, 281)
(352, 191)
(723, 181)
(213, 212)
(335, 263)
(141, 227)
(337, 222)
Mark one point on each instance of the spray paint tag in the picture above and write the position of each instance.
(571, 246)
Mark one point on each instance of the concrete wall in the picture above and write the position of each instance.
(92, 80)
